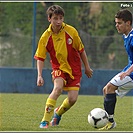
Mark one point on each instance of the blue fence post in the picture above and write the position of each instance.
(34, 34)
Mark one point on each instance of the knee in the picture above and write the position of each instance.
(109, 88)
(57, 91)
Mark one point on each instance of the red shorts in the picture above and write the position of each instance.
(70, 84)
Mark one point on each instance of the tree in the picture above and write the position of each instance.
(93, 20)
(97, 19)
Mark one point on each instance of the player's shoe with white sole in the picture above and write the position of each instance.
(44, 124)
(56, 119)
(108, 126)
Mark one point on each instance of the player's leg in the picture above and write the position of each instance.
(69, 101)
(110, 96)
(51, 101)
(109, 104)
(110, 100)
(65, 106)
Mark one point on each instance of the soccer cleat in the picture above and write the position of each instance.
(44, 124)
(56, 119)
(108, 126)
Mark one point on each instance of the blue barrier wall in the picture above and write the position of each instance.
(23, 80)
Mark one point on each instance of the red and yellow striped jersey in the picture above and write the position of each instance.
(64, 49)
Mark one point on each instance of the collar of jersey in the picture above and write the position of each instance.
(129, 33)
(50, 29)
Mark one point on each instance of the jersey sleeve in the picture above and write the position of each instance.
(77, 42)
(40, 53)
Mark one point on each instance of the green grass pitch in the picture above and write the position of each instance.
(23, 112)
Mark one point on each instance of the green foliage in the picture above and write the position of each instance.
(97, 18)
(70, 12)
(93, 20)
(23, 112)
(16, 50)
(17, 16)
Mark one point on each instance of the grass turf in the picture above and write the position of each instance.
(23, 112)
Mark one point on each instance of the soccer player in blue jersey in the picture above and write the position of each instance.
(122, 83)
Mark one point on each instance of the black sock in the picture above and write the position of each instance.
(109, 104)
(111, 120)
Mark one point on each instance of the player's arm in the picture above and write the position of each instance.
(126, 73)
(40, 65)
(78, 45)
(88, 70)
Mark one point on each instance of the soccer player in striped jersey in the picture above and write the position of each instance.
(122, 83)
(66, 51)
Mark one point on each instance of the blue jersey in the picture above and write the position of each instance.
(128, 43)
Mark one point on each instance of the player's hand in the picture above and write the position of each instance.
(89, 72)
(123, 75)
(40, 81)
